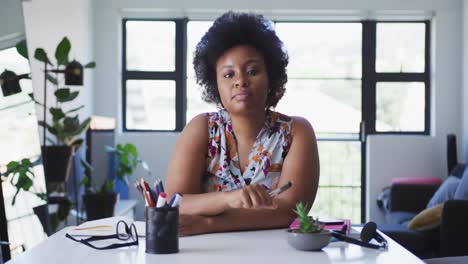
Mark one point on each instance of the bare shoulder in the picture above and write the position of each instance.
(196, 128)
(199, 121)
(302, 128)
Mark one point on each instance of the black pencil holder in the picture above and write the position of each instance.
(162, 236)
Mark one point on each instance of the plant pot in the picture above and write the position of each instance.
(57, 163)
(42, 212)
(99, 205)
(308, 241)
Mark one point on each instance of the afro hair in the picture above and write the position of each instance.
(232, 29)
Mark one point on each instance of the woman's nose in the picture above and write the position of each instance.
(241, 81)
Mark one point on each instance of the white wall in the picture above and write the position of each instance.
(388, 156)
(46, 23)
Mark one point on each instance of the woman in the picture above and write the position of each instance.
(225, 162)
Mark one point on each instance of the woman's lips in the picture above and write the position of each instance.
(241, 96)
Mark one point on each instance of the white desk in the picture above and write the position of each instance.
(237, 247)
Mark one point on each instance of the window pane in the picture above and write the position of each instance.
(400, 106)
(339, 193)
(329, 50)
(330, 106)
(150, 105)
(24, 228)
(195, 31)
(195, 104)
(400, 47)
(150, 46)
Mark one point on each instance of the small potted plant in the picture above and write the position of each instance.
(310, 235)
(100, 201)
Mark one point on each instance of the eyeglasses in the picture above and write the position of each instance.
(123, 232)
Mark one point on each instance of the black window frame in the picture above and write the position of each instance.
(369, 78)
(178, 75)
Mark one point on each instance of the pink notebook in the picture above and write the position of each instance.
(295, 225)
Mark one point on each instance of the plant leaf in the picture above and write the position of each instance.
(57, 113)
(77, 142)
(62, 51)
(84, 126)
(74, 109)
(90, 65)
(52, 79)
(22, 48)
(71, 124)
(84, 181)
(41, 55)
(65, 95)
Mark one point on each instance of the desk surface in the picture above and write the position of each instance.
(269, 246)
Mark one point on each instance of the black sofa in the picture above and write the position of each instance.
(407, 200)
(401, 202)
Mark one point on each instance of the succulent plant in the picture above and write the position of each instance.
(307, 223)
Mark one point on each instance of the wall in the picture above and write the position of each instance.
(388, 156)
(46, 23)
(11, 23)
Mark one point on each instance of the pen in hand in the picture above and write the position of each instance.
(281, 189)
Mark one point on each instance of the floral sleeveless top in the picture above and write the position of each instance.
(265, 161)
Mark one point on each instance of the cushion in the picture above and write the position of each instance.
(417, 180)
(462, 190)
(427, 219)
(445, 192)
(399, 217)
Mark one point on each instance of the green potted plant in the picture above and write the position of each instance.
(310, 235)
(65, 125)
(21, 176)
(100, 201)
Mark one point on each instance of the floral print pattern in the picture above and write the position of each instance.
(265, 161)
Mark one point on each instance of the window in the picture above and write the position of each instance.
(325, 73)
(396, 80)
(371, 75)
(153, 74)
(18, 119)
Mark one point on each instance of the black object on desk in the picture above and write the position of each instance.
(162, 236)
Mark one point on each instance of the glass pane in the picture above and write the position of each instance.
(24, 228)
(400, 106)
(330, 106)
(400, 47)
(332, 51)
(339, 193)
(195, 31)
(150, 105)
(195, 104)
(150, 45)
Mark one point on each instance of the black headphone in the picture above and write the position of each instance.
(368, 232)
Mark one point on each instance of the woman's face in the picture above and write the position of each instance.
(242, 80)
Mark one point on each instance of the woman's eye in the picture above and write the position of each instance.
(252, 72)
(228, 75)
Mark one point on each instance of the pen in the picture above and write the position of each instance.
(281, 189)
(147, 194)
(176, 199)
(161, 200)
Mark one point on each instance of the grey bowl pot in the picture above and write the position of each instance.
(308, 241)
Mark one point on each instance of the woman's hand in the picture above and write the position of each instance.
(253, 196)
(193, 225)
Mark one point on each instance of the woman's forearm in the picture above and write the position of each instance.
(206, 204)
(249, 219)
